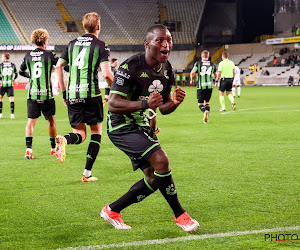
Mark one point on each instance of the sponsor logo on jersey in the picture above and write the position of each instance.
(124, 74)
(156, 86)
(85, 38)
(144, 74)
(36, 53)
(125, 66)
(83, 87)
(39, 92)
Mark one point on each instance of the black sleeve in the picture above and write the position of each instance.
(15, 71)
(23, 68)
(64, 55)
(54, 58)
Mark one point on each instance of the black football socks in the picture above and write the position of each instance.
(167, 188)
(138, 192)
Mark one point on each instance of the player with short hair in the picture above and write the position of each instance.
(113, 65)
(144, 81)
(236, 82)
(8, 74)
(82, 95)
(39, 64)
(206, 71)
(226, 74)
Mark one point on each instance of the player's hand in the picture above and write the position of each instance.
(178, 95)
(65, 102)
(191, 82)
(155, 100)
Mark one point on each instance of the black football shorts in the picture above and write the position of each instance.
(139, 143)
(203, 95)
(8, 90)
(225, 84)
(85, 110)
(36, 107)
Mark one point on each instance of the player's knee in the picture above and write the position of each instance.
(160, 162)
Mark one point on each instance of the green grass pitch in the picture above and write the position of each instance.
(239, 172)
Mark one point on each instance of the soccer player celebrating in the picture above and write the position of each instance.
(206, 71)
(8, 73)
(82, 94)
(39, 64)
(144, 81)
(226, 73)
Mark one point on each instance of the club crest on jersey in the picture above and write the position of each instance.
(156, 86)
(144, 74)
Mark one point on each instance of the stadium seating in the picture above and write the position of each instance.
(7, 34)
(188, 13)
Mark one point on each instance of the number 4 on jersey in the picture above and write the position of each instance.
(79, 61)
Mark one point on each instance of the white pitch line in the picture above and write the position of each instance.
(185, 238)
(248, 112)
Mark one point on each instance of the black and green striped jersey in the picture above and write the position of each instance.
(205, 70)
(7, 72)
(136, 80)
(84, 55)
(39, 64)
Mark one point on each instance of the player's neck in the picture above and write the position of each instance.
(96, 34)
(154, 64)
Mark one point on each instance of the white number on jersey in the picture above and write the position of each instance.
(7, 71)
(37, 70)
(79, 61)
(205, 70)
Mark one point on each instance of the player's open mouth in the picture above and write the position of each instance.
(164, 52)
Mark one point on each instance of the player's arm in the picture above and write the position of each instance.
(192, 76)
(106, 72)
(60, 77)
(60, 74)
(22, 70)
(218, 75)
(117, 103)
(170, 104)
(15, 72)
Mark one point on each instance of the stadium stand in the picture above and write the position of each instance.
(7, 34)
(188, 14)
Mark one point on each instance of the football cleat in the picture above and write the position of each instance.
(221, 110)
(52, 151)
(12, 116)
(1, 115)
(157, 130)
(113, 218)
(60, 148)
(205, 117)
(187, 223)
(28, 154)
(234, 106)
(89, 179)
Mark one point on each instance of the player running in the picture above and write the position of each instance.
(8, 74)
(144, 81)
(82, 96)
(206, 71)
(39, 64)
